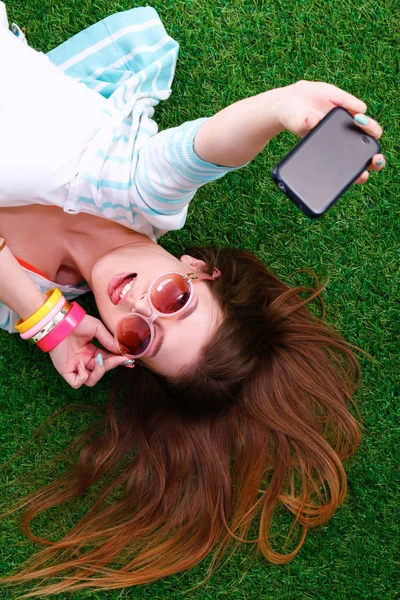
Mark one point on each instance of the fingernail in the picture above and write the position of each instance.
(100, 360)
(361, 119)
(380, 162)
(128, 362)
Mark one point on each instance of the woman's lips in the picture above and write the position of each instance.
(117, 284)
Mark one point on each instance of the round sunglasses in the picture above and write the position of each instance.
(169, 295)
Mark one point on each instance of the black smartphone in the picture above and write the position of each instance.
(325, 163)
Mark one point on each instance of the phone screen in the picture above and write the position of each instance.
(327, 161)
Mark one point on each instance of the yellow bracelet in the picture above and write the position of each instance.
(53, 297)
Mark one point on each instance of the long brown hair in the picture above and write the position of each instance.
(196, 465)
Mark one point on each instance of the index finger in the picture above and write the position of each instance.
(106, 339)
(348, 101)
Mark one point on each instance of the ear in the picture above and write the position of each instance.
(198, 266)
(194, 263)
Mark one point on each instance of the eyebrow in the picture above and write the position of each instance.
(183, 316)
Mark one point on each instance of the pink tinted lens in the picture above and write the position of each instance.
(170, 293)
(133, 335)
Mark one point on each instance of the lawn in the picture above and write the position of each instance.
(230, 50)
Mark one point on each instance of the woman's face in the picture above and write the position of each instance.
(178, 341)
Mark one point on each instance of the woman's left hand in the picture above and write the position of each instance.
(79, 361)
(303, 104)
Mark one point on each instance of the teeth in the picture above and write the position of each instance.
(126, 289)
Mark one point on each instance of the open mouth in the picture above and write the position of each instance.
(120, 286)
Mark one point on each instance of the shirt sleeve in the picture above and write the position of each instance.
(168, 174)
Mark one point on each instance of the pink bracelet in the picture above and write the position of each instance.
(46, 319)
(63, 329)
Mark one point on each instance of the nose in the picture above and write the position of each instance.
(141, 305)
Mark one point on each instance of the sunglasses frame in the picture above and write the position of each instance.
(155, 314)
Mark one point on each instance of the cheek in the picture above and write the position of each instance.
(100, 271)
(109, 314)
(180, 350)
(170, 367)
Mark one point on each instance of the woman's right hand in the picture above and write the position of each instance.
(79, 361)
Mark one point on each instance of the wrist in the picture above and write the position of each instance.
(278, 102)
(17, 290)
(28, 305)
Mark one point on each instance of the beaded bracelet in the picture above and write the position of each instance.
(54, 296)
(63, 329)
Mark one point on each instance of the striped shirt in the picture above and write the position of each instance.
(89, 141)
(129, 173)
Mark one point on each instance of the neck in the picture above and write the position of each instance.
(90, 238)
(77, 242)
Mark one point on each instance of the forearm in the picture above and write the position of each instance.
(236, 134)
(17, 290)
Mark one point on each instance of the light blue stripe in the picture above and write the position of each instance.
(86, 200)
(113, 158)
(130, 221)
(148, 159)
(118, 138)
(106, 183)
(78, 43)
(115, 100)
(104, 30)
(195, 163)
(96, 67)
(144, 131)
(126, 139)
(113, 205)
(106, 91)
(147, 184)
(183, 199)
(105, 205)
(89, 82)
(111, 76)
(124, 218)
(146, 59)
(148, 210)
(171, 155)
(105, 57)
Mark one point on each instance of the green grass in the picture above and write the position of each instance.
(230, 50)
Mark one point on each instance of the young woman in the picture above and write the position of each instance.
(244, 401)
